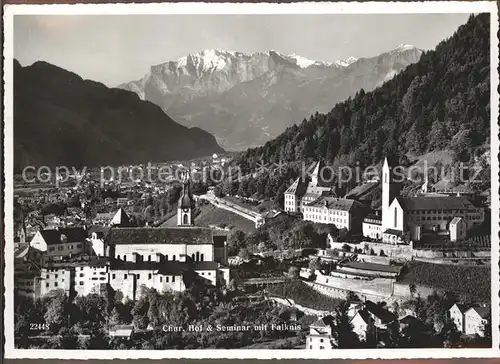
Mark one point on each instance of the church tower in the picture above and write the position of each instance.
(186, 204)
(390, 190)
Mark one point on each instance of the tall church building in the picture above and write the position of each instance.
(422, 217)
(186, 204)
(390, 189)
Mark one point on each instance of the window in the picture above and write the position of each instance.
(395, 217)
(47, 276)
(161, 279)
(149, 258)
(320, 340)
(166, 279)
(81, 268)
(150, 276)
(78, 245)
(51, 249)
(55, 284)
(173, 278)
(71, 246)
(60, 248)
(124, 276)
(81, 283)
(118, 257)
(113, 276)
(197, 256)
(56, 276)
(124, 258)
(173, 257)
(138, 276)
(81, 274)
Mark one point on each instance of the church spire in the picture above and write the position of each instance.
(186, 203)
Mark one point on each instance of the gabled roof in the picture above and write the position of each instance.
(120, 219)
(410, 320)
(323, 322)
(149, 235)
(434, 203)
(481, 311)
(456, 220)
(393, 232)
(461, 307)
(334, 203)
(101, 231)
(298, 188)
(72, 234)
(384, 315)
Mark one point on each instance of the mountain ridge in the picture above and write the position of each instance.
(246, 99)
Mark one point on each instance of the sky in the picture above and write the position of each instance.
(113, 49)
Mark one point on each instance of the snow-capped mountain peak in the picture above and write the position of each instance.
(346, 62)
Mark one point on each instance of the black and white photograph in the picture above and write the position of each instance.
(251, 180)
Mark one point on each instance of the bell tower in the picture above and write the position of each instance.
(390, 190)
(186, 203)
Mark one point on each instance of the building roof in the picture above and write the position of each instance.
(334, 203)
(456, 220)
(393, 232)
(377, 218)
(120, 218)
(461, 307)
(378, 311)
(435, 203)
(170, 235)
(482, 311)
(373, 267)
(410, 320)
(323, 322)
(56, 236)
(298, 188)
(364, 314)
(360, 190)
(122, 330)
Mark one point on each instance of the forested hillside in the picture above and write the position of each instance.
(440, 103)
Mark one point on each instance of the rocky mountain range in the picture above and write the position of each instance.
(62, 119)
(248, 99)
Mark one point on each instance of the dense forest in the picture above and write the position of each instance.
(440, 103)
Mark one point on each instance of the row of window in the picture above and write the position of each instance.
(140, 258)
(323, 218)
(332, 212)
(424, 212)
(61, 247)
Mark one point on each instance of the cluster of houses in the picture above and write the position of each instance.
(81, 260)
(400, 220)
(373, 321)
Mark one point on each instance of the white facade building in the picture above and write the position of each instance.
(414, 216)
(320, 335)
(302, 192)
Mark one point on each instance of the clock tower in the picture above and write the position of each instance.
(186, 204)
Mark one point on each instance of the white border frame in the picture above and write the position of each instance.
(244, 8)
